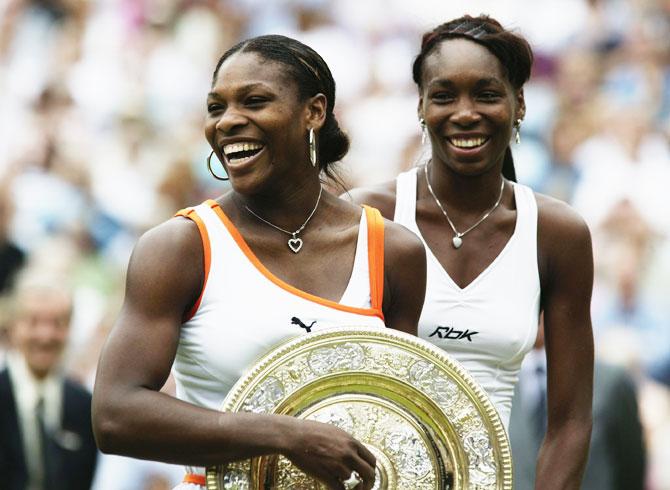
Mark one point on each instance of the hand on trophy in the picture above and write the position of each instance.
(331, 455)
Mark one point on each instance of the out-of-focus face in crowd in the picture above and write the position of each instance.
(40, 328)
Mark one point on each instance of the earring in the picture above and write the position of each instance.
(517, 131)
(209, 167)
(422, 122)
(312, 147)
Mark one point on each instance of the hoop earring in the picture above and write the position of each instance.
(209, 167)
(422, 122)
(312, 147)
(517, 131)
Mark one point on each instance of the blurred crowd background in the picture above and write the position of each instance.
(101, 137)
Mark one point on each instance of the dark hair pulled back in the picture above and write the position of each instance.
(513, 51)
(311, 75)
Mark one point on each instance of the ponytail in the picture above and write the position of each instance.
(508, 166)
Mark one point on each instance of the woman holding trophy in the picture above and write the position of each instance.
(277, 256)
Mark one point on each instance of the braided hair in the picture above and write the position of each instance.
(513, 52)
(312, 76)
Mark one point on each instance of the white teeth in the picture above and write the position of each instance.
(238, 147)
(239, 160)
(467, 142)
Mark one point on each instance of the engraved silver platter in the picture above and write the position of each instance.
(430, 425)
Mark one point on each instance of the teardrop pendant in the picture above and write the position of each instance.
(457, 241)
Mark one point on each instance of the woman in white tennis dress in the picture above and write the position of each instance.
(498, 253)
(214, 288)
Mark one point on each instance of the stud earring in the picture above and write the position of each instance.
(517, 131)
(312, 147)
(422, 122)
(209, 167)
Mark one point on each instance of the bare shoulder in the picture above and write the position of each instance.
(405, 278)
(174, 240)
(167, 264)
(380, 196)
(558, 221)
(400, 242)
(565, 252)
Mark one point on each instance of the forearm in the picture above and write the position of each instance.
(151, 425)
(563, 456)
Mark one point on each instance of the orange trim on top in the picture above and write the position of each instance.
(207, 253)
(375, 256)
(239, 239)
(195, 479)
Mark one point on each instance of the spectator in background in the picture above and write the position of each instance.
(631, 327)
(11, 256)
(633, 158)
(617, 456)
(46, 439)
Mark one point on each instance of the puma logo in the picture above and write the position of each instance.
(296, 321)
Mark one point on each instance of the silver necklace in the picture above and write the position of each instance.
(294, 243)
(457, 240)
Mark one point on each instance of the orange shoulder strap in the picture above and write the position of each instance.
(195, 479)
(186, 212)
(191, 214)
(375, 256)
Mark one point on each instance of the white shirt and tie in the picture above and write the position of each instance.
(32, 396)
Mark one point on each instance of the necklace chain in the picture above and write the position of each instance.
(294, 243)
(457, 240)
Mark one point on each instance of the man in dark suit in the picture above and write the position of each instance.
(46, 439)
(617, 453)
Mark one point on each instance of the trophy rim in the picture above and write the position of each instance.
(294, 347)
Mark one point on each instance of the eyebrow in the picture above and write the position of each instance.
(445, 82)
(245, 88)
(488, 81)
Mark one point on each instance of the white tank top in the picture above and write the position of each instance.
(491, 324)
(244, 310)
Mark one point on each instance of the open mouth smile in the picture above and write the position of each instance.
(469, 143)
(240, 153)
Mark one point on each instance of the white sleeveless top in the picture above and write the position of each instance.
(244, 310)
(491, 324)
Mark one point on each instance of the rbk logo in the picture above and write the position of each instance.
(453, 334)
(296, 321)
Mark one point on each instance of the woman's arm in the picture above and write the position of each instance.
(405, 260)
(130, 415)
(566, 271)
(405, 278)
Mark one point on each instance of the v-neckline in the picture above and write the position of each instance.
(278, 281)
(479, 277)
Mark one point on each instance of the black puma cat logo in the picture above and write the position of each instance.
(296, 321)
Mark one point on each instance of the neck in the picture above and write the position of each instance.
(287, 207)
(38, 374)
(469, 194)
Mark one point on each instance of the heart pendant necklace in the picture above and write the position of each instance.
(294, 243)
(457, 240)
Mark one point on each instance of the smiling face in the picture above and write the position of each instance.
(40, 330)
(469, 106)
(257, 124)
